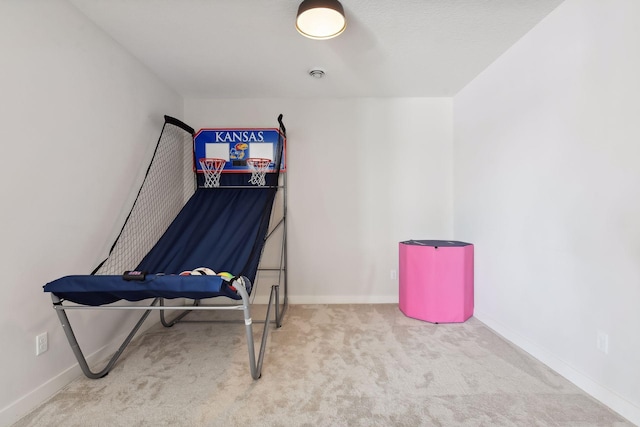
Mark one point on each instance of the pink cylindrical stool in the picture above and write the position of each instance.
(436, 280)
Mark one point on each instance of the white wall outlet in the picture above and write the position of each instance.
(394, 274)
(602, 342)
(42, 343)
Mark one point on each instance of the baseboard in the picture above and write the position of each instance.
(617, 403)
(35, 398)
(350, 299)
(27, 403)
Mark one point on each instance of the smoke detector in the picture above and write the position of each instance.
(316, 73)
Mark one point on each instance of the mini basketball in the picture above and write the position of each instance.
(225, 275)
(185, 273)
(203, 271)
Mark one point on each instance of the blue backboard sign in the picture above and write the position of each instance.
(235, 146)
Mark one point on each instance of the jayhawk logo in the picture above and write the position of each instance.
(237, 152)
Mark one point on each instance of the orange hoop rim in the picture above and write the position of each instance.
(258, 161)
(212, 161)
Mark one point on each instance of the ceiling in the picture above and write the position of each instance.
(251, 49)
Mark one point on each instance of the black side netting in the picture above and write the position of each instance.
(168, 184)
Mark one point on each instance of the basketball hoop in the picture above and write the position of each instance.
(212, 168)
(258, 167)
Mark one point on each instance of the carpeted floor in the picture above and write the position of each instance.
(329, 365)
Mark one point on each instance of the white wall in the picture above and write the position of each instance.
(547, 185)
(78, 116)
(363, 174)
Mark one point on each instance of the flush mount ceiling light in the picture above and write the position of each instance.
(320, 19)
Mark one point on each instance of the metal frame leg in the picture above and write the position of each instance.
(158, 304)
(73, 342)
(177, 318)
(254, 366)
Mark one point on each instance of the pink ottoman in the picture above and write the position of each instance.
(436, 280)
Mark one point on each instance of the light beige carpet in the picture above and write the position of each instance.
(335, 365)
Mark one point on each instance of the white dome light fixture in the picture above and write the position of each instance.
(321, 19)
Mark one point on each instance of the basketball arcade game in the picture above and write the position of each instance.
(176, 248)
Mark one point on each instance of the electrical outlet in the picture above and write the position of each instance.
(602, 342)
(393, 275)
(42, 343)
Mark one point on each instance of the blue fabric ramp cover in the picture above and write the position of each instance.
(222, 229)
(99, 290)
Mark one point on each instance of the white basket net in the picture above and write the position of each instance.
(258, 167)
(212, 168)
